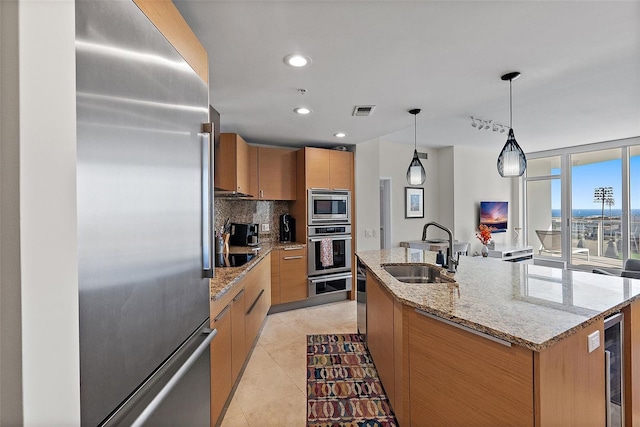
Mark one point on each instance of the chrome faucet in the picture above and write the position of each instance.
(452, 264)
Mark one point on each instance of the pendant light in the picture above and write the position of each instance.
(415, 174)
(511, 161)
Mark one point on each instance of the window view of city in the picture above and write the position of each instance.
(596, 200)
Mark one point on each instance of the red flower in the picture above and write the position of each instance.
(483, 234)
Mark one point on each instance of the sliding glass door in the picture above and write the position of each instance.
(582, 206)
(544, 211)
(596, 208)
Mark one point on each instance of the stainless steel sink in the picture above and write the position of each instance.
(414, 273)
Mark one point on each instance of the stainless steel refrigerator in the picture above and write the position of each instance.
(144, 212)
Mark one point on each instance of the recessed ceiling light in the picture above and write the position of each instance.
(302, 111)
(297, 60)
(340, 135)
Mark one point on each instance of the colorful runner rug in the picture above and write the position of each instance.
(343, 388)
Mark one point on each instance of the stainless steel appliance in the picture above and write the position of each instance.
(322, 285)
(287, 228)
(328, 206)
(144, 218)
(614, 369)
(361, 298)
(335, 242)
(244, 234)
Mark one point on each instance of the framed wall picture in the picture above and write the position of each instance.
(413, 202)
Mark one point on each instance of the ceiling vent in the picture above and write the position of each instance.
(363, 110)
(423, 155)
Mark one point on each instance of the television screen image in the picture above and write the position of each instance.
(494, 215)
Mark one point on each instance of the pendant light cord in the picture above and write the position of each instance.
(415, 133)
(510, 106)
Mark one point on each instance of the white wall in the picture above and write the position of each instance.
(49, 284)
(446, 189)
(10, 320)
(394, 161)
(477, 180)
(367, 175)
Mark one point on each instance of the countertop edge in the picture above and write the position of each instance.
(538, 347)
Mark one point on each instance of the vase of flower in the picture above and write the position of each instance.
(484, 235)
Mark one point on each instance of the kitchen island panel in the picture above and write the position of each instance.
(570, 382)
(459, 378)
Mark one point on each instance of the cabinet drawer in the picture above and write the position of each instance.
(293, 276)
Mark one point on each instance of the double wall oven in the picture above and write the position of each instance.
(329, 246)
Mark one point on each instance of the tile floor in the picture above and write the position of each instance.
(272, 390)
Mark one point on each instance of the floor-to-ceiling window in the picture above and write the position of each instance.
(596, 207)
(582, 204)
(544, 211)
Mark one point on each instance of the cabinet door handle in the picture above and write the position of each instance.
(292, 257)
(237, 296)
(255, 302)
(222, 313)
(341, 189)
(464, 328)
(293, 248)
(261, 194)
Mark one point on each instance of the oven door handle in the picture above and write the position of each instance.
(319, 239)
(330, 277)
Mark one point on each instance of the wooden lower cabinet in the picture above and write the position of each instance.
(238, 317)
(289, 281)
(239, 348)
(257, 299)
(221, 362)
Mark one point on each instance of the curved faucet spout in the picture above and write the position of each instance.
(451, 263)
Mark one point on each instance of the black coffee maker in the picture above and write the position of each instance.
(287, 228)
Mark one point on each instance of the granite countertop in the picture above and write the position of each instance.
(529, 305)
(226, 277)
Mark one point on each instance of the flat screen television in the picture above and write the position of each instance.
(494, 215)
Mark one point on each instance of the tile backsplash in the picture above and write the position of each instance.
(251, 211)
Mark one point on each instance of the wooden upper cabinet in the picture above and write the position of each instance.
(330, 169)
(340, 170)
(317, 167)
(254, 191)
(276, 174)
(231, 172)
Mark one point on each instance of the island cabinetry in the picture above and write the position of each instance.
(632, 363)
(328, 168)
(276, 174)
(231, 171)
(289, 275)
(386, 343)
(460, 378)
(569, 381)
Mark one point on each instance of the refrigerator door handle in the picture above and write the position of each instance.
(175, 379)
(207, 244)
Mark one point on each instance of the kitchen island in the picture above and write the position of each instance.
(497, 343)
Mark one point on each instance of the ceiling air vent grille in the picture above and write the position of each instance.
(363, 110)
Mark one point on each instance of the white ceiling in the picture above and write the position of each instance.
(580, 65)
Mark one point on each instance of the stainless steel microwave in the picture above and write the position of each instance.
(329, 206)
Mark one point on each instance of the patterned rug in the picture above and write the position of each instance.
(343, 388)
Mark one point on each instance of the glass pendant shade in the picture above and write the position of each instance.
(416, 174)
(511, 161)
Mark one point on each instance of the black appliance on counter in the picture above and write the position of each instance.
(244, 234)
(233, 260)
(287, 228)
